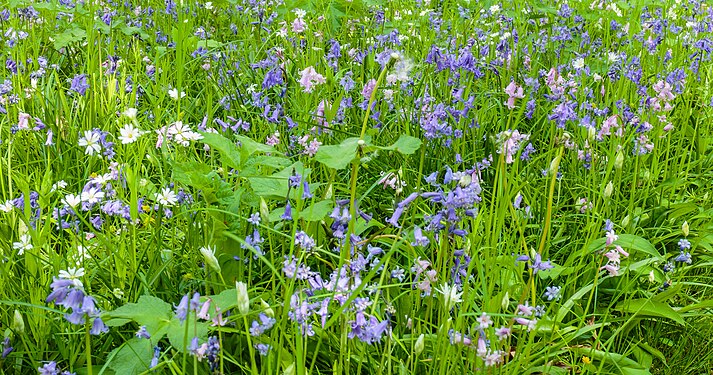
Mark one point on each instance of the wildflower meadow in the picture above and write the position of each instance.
(356, 187)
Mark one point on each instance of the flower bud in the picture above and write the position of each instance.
(418, 348)
(609, 190)
(555, 163)
(268, 310)
(684, 229)
(647, 175)
(243, 298)
(619, 160)
(505, 303)
(18, 324)
(210, 259)
(652, 278)
(625, 221)
(264, 211)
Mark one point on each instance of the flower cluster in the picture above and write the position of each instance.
(68, 292)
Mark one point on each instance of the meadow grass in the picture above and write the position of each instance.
(356, 187)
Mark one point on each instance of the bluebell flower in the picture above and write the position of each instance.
(142, 333)
(6, 347)
(156, 355)
(552, 292)
(98, 327)
(182, 309)
(288, 212)
(79, 84)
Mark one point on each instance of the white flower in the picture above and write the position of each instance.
(173, 93)
(93, 195)
(131, 113)
(210, 259)
(91, 142)
(72, 200)
(166, 197)
(23, 244)
(451, 295)
(102, 179)
(129, 134)
(61, 184)
(484, 321)
(300, 13)
(73, 274)
(402, 69)
(209, 5)
(83, 253)
(6, 207)
(578, 63)
(243, 298)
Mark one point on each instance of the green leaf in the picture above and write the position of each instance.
(317, 211)
(629, 242)
(405, 145)
(149, 311)
(338, 156)
(276, 185)
(68, 37)
(229, 152)
(696, 306)
(176, 332)
(623, 363)
(250, 147)
(133, 357)
(646, 307)
(226, 299)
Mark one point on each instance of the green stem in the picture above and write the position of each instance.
(88, 348)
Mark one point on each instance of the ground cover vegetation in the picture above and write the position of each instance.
(356, 187)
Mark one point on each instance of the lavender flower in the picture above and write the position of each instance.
(79, 84)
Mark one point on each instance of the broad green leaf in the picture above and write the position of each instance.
(226, 299)
(276, 185)
(646, 307)
(625, 364)
(177, 330)
(133, 357)
(149, 311)
(68, 37)
(229, 152)
(250, 146)
(405, 145)
(338, 156)
(317, 211)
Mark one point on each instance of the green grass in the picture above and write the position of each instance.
(447, 115)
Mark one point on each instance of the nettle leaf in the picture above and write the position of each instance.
(651, 308)
(133, 357)
(405, 145)
(629, 242)
(149, 311)
(338, 156)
